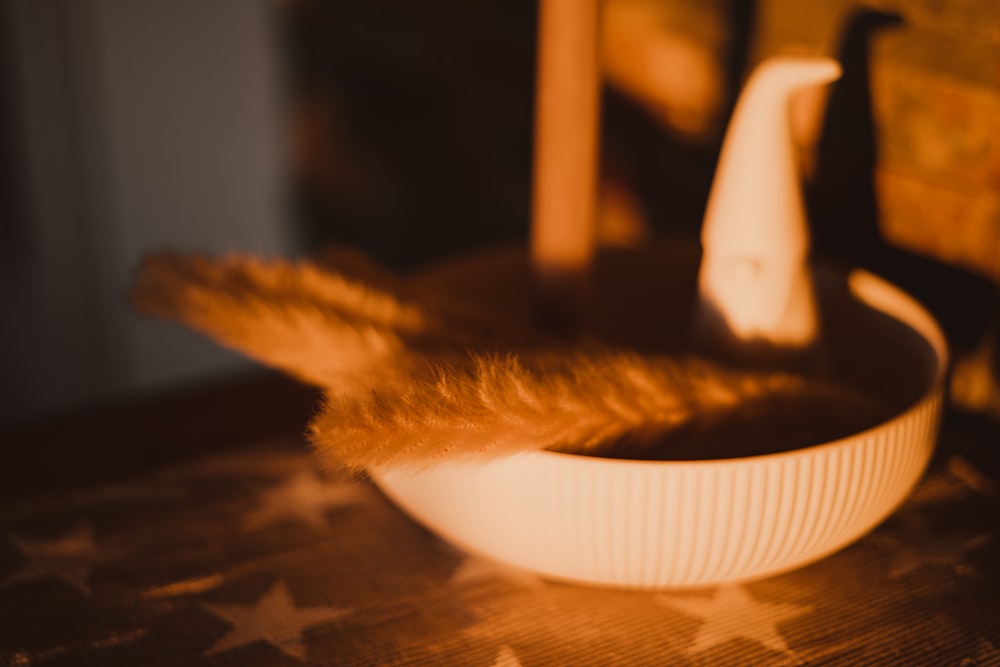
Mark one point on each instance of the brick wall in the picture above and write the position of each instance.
(935, 94)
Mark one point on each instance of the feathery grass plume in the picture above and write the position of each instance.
(315, 325)
(313, 322)
(579, 401)
(479, 325)
(409, 383)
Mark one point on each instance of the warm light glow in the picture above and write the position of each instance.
(566, 128)
(677, 77)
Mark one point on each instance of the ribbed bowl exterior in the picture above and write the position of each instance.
(646, 524)
(654, 524)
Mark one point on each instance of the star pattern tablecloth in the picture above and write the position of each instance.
(260, 557)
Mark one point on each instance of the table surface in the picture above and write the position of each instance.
(199, 529)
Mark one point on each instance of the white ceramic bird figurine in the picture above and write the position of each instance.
(755, 292)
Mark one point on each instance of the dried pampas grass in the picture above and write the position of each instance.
(410, 383)
(322, 327)
(577, 402)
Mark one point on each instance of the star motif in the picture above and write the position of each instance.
(477, 570)
(506, 658)
(733, 613)
(937, 553)
(274, 618)
(953, 483)
(987, 655)
(303, 497)
(964, 471)
(68, 558)
(916, 547)
(940, 487)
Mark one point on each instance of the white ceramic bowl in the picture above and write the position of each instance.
(657, 524)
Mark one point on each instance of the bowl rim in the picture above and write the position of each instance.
(870, 289)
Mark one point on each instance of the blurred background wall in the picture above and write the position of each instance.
(404, 129)
(130, 125)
